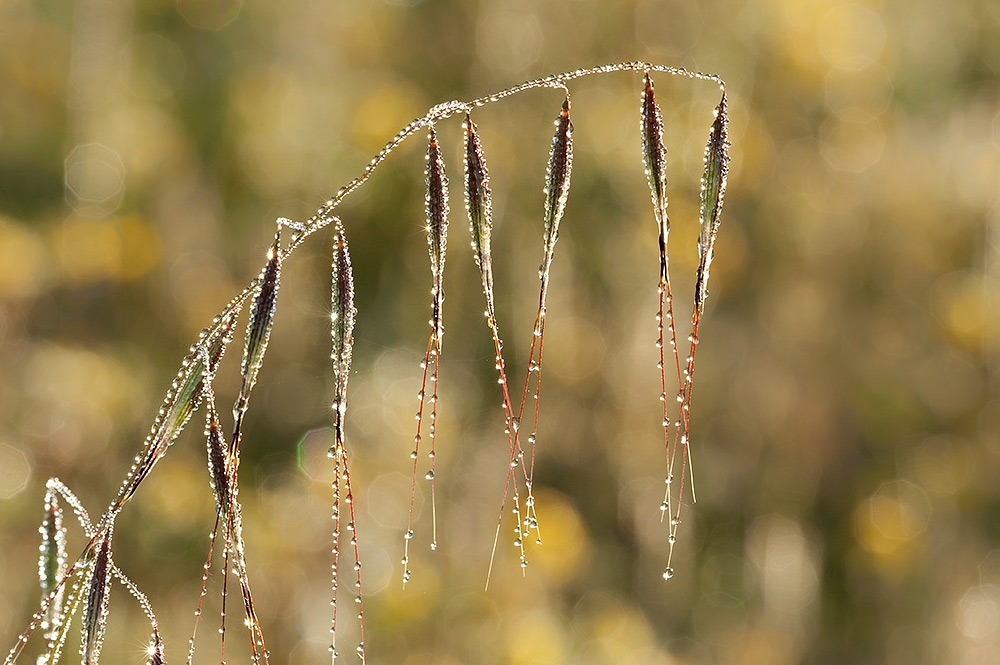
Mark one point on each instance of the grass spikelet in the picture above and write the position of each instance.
(558, 172)
(654, 156)
(342, 332)
(436, 208)
(713, 191)
(95, 615)
(342, 320)
(259, 329)
(255, 346)
(479, 206)
(52, 566)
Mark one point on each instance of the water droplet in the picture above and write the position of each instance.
(413, 455)
(664, 507)
(517, 542)
(408, 535)
(429, 475)
(671, 539)
(675, 521)
(434, 546)
(668, 573)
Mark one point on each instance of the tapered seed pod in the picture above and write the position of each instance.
(436, 205)
(259, 326)
(558, 173)
(479, 204)
(654, 155)
(95, 616)
(342, 323)
(713, 191)
(52, 565)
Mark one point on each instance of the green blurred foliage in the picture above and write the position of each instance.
(846, 433)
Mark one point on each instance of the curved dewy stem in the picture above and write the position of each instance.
(191, 387)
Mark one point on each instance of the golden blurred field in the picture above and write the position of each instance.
(846, 433)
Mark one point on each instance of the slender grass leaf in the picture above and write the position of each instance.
(181, 401)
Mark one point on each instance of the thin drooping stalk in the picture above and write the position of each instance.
(479, 205)
(654, 155)
(558, 172)
(713, 192)
(155, 648)
(218, 459)
(436, 210)
(342, 332)
(255, 346)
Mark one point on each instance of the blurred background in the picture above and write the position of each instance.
(846, 432)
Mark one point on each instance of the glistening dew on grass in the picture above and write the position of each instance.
(84, 586)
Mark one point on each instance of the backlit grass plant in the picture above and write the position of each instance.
(82, 585)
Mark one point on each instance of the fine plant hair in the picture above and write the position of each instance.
(83, 585)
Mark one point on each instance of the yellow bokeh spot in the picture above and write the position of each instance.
(89, 250)
(540, 640)
(140, 247)
(622, 636)
(565, 542)
(969, 316)
(383, 112)
(24, 270)
(889, 522)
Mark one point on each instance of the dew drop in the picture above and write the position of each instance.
(429, 475)
(668, 573)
